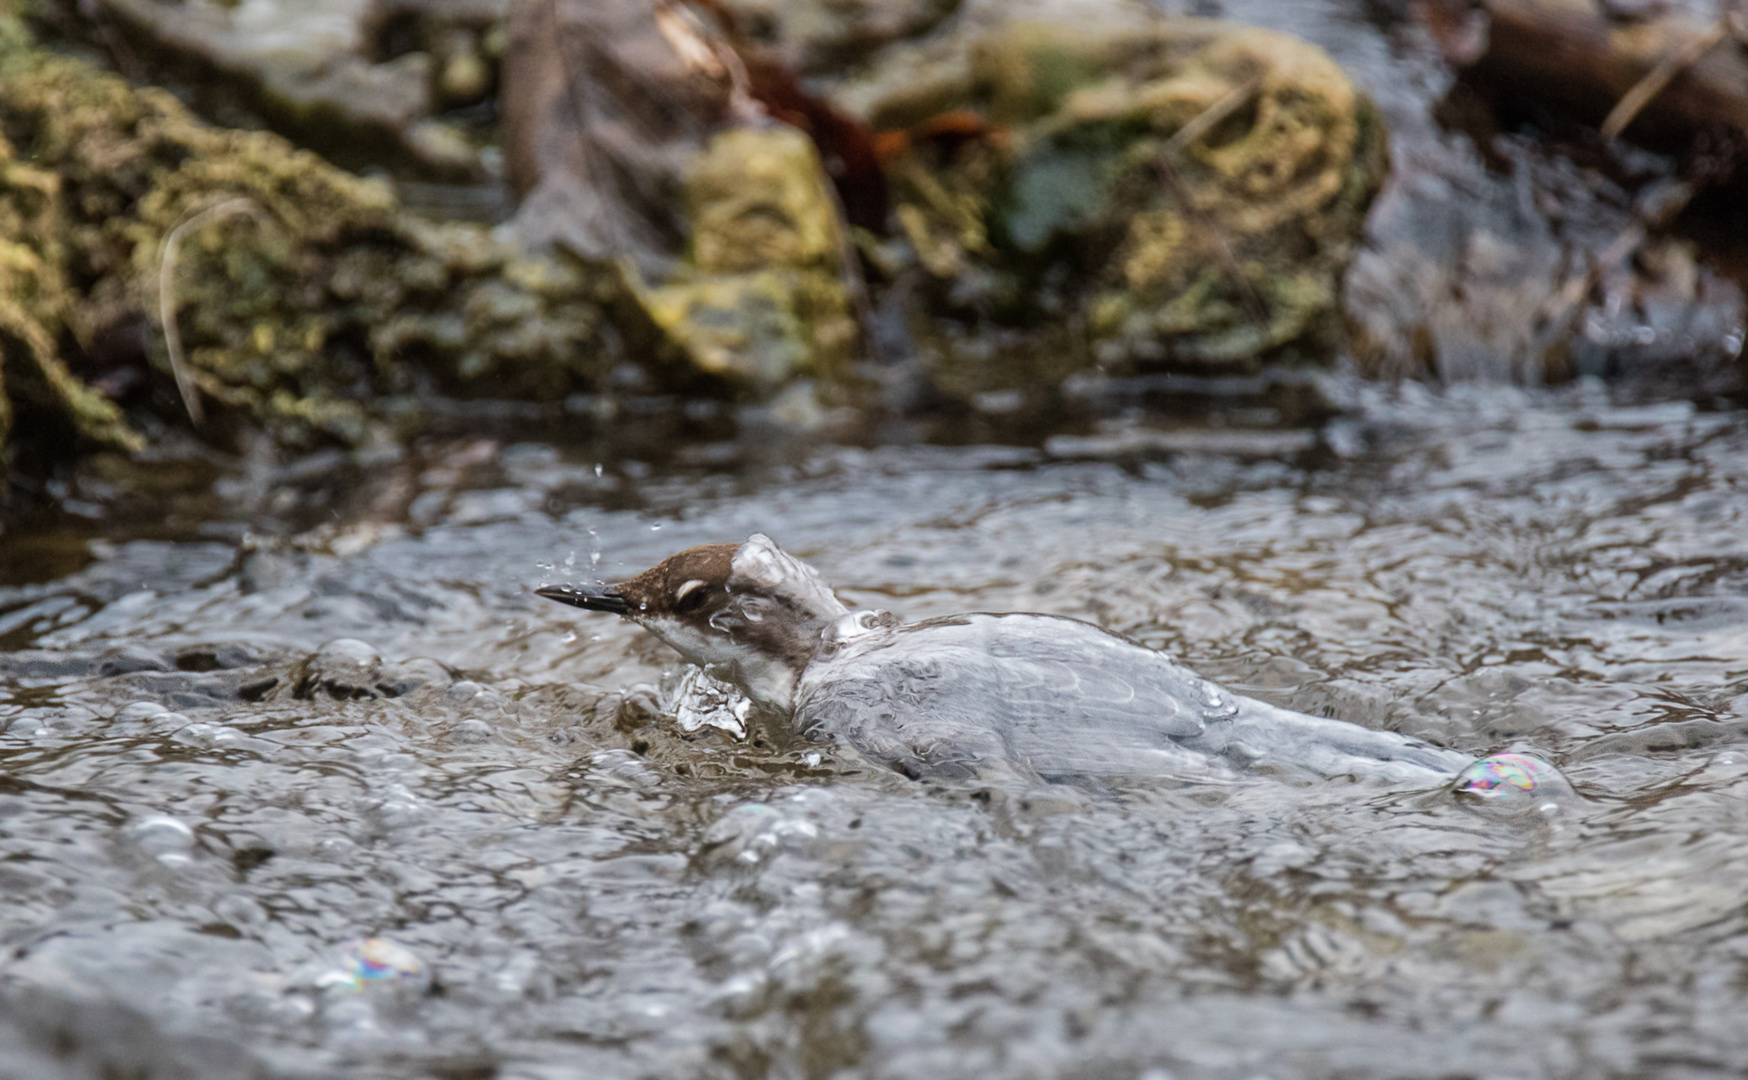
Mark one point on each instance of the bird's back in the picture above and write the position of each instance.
(1055, 695)
(1062, 698)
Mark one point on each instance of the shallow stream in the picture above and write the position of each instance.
(225, 760)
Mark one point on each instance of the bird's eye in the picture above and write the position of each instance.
(691, 596)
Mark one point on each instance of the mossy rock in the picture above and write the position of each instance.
(1186, 194)
(310, 297)
(761, 298)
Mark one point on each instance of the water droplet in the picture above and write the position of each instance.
(1216, 705)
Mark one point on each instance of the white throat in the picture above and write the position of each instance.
(768, 680)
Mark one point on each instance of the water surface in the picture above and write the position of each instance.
(204, 796)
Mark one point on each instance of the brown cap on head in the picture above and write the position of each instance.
(750, 610)
(671, 588)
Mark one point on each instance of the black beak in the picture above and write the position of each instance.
(587, 597)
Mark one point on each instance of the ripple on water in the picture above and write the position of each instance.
(209, 792)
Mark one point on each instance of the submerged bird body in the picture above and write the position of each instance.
(1064, 698)
(1045, 695)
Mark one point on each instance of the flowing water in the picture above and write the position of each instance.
(349, 800)
(297, 778)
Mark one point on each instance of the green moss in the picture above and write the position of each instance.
(36, 303)
(298, 310)
(761, 300)
(1084, 208)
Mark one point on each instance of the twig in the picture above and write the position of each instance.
(1657, 80)
(682, 32)
(1206, 120)
(1199, 125)
(167, 295)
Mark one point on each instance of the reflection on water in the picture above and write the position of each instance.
(357, 803)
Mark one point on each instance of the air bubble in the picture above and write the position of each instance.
(161, 834)
(1514, 781)
(374, 961)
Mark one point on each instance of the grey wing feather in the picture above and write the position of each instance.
(1077, 702)
(1057, 697)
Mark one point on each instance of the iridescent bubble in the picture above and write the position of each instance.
(375, 961)
(1513, 779)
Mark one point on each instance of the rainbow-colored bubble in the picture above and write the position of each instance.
(365, 961)
(1506, 776)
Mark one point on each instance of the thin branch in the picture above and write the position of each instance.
(1206, 120)
(1657, 80)
(167, 295)
(1200, 125)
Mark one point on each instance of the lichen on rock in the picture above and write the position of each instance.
(723, 219)
(36, 300)
(1184, 192)
(299, 312)
(760, 298)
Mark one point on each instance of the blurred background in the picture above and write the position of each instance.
(655, 228)
(1378, 359)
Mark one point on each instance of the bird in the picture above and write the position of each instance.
(1047, 697)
